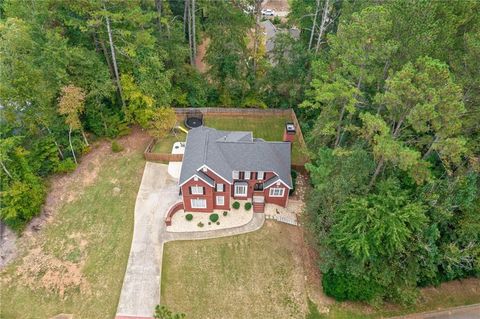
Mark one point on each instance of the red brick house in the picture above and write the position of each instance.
(220, 167)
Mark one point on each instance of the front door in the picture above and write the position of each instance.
(258, 187)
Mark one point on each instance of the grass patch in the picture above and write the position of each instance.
(256, 275)
(270, 128)
(76, 263)
(165, 144)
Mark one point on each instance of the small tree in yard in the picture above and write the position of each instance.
(162, 120)
(72, 103)
(162, 312)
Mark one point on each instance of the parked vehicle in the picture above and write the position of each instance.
(268, 12)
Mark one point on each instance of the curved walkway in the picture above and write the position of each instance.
(141, 285)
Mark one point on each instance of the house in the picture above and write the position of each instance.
(220, 167)
(270, 31)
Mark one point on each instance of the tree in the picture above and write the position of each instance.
(162, 121)
(71, 104)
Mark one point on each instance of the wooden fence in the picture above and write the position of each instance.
(224, 111)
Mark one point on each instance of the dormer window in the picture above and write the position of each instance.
(247, 175)
(260, 175)
(235, 174)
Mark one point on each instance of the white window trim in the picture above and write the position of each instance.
(243, 186)
(276, 192)
(260, 175)
(235, 174)
(247, 175)
(195, 203)
(197, 190)
(221, 202)
(217, 188)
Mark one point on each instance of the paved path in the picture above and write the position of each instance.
(141, 286)
(463, 312)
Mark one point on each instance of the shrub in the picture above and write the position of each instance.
(200, 224)
(209, 223)
(236, 205)
(344, 286)
(225, 213)
(213, 217)
(294, 174)
(218, 223)
(66, 166)
(248, 206)
(116, 147)
(189, 217)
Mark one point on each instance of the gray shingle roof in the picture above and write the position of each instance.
(225, 151)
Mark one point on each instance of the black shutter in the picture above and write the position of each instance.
(203, 190)
(190, 190)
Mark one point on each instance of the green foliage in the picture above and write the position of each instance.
(236, 205)
(189, 217)
(162, 312)
(248, 206)
(343, 286)
(313, 312)
(116, 147)
(225, 213)
(66, 166)
(213, 217)
(200, 224)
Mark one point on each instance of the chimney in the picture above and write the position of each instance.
(289, 133)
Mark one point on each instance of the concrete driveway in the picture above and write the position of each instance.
(141, 286)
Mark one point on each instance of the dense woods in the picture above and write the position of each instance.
(387, 93)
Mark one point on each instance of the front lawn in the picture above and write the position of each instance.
(256, 275)
(269, 127)
(75, 264)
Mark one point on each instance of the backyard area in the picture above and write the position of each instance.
(269, 127)
(75, 263)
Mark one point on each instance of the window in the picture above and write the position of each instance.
(260, 175)
(276, 192)
(235, 175)
(247, 175)
(198, 203)
(220, 187)
(197, 190)
(240, 189)
(220, 200)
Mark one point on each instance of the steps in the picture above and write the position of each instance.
(258, 207)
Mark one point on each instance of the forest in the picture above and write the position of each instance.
(387, 94)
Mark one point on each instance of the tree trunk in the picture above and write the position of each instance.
(323, 24)
(158, 6)
(114, 59)
(378, 169)
(256, 35)
(5, 169)
(194, 39)
(430, 148)
(314, 26)
(185, 10)
(339, 127)
(189, 26)
(84, 137)
(54, 141)
(71, 146)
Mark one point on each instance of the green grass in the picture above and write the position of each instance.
(270, 128)
(77, 262)
(165, 144)
(256, 275)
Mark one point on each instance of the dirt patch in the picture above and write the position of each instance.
(40, 270)
(277, 5)
(66, 188)
(202, 67)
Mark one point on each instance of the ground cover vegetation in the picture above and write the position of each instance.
(387, 94)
